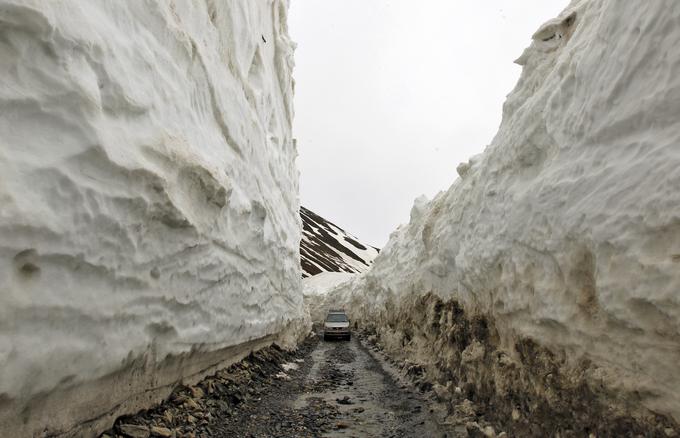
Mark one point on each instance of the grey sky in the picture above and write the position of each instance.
(392, 94)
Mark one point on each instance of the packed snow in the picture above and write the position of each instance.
(321, 283)
(149, 199)
(561, 241)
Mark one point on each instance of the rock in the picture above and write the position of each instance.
(168, 416)
(466, 408)
(134, 431)
(191, 404)
(670, 432)
(473, 430)
(489, 432)
(441, 392)
(341, 425)
(161, 431)
(473, 353)
(344, 401)
(515, 415)
(197, 392)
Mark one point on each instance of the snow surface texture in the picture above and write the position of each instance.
(325, 247)
(564, 234)
(148, 192)
(324, 282)
(316, 287)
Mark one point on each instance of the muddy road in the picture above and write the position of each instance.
(367, 399)
(323, 389)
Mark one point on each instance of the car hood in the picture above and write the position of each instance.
(336, 324)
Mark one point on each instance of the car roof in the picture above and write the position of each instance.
(336, 311)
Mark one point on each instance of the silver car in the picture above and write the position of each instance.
(336, 326)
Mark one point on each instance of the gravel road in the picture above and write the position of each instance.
(323, 389)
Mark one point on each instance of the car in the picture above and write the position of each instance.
(336, 326)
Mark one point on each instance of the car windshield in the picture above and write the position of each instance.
(336, 317)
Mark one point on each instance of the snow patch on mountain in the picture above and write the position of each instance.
(544, 283)
(149, 226)
(325, 247)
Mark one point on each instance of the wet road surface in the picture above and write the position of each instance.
(322, 389)
(369, 402)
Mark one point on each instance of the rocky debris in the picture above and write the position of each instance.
(456, 412)
(369, 401)
(246, 399)
(341, 355)
(331, 376)
(347, 388)
(162, 432)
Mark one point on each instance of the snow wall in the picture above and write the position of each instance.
(149, 226)
(545, 282)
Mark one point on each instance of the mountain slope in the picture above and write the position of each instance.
(325, 247)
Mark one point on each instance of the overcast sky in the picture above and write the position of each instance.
(391, 95)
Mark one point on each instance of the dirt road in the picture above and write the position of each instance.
(324, 389)
(369, 402)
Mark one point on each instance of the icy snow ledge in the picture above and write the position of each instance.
(148, 199)
(564, 233)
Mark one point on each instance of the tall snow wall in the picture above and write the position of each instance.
(149, 227)
(545, 282)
